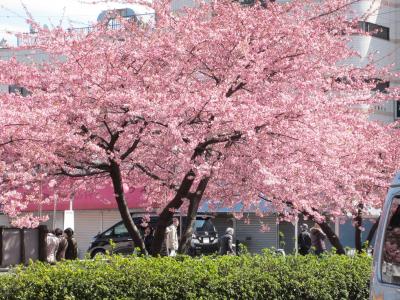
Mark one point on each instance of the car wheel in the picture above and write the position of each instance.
(98, 252)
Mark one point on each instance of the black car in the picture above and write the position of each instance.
(204, 238)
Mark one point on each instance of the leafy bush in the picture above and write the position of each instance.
(264, 276)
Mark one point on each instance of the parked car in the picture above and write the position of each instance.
(204, 238)
(385, 279)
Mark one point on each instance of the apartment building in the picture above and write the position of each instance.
(382, 20)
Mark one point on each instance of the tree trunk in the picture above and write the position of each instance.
(115, 173)
(168, 212)
(372, 231)
(357, 228)
(191, 215)
(333, 239)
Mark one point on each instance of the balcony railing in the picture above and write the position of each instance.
(30, 39)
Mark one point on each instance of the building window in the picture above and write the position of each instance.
(16, 89)
(375, 30)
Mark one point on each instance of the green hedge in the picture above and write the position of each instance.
(229, 277)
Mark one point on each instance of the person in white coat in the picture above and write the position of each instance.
(172, 242)
(52, 243)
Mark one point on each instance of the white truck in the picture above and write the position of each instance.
(385, 279)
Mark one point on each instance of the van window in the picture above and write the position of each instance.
(391, 246)
(120, 230)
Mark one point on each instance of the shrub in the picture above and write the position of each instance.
(265, 276)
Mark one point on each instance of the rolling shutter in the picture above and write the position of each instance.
(250, 234)
(87, 225)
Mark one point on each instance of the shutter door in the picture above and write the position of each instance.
(221, 222)
(252, 237)
(87, 225)
(110, 217)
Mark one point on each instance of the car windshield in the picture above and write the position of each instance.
(204, 225)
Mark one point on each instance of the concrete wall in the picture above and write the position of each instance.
(11, 247)
(18, 246)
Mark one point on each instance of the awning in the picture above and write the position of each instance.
(101, 199)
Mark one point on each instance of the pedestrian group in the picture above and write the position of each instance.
(311, 240)
(61, 245)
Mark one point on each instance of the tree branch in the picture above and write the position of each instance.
(232, 90)
(230, 138)
(135, 143)
(146, 171)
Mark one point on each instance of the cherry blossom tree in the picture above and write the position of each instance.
(222, 101)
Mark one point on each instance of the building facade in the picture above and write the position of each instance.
(381, 20)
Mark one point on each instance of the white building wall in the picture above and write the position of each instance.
(386, 52)
(27, 56)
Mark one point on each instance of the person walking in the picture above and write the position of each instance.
(72, 248)
(62, 245)
(172, 241)
(148, 238)
(226, 242)
(304, 240)
(318, 239)
(52, 243)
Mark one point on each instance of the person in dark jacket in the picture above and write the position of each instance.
(72, 248)
(304, 240)
(318, 239)
(226, 242)
(62, 246)
(148, 238)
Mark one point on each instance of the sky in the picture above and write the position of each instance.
(74, 13)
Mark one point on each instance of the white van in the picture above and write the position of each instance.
(385, 279)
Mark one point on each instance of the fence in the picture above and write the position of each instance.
(18, 246)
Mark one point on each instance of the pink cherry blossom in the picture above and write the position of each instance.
(221, 102)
